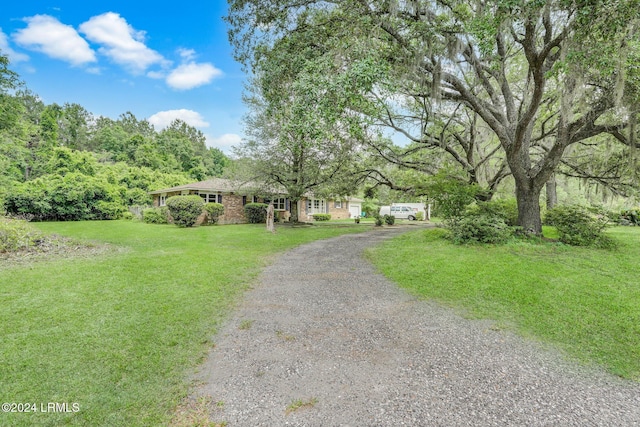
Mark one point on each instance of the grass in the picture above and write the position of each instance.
(299, 403)
(584, 301)
(245, 324)
(196, 413)
(119, 333)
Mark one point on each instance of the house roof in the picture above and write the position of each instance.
(213, 184)
(226, 186)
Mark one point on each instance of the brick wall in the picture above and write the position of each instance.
(233, 211)
(233, 208)
(338, 213)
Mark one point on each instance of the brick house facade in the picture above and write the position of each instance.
(233, 196)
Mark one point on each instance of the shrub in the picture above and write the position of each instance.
(451, 195)
(321, 217)
(479, 229)
(108, 210)
(419, 216)
(629, 217)
(137, 196)
(156, 215)
(389, 219)
(32, 200)
(506, 209)
(71, 197)
(370, 209)
(185, 210)
(256, 213)
(579, 225)
(17, 234)
(214, 211)
(379, 221)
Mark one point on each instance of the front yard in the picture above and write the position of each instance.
(583, 301)
(115, 334)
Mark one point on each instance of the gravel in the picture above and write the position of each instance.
(321, 328)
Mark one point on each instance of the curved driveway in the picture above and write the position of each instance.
(321, 327)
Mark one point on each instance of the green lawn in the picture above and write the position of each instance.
(583, 301)
(119, 333)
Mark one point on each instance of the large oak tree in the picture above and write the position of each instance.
(542, 75)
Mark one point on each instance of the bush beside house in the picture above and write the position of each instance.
(321, 217)
(214, 211)
(256, 213)
(185, 210)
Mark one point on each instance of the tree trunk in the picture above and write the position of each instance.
(270, 218)
(529, 208)
(295, 216)
(552, 195)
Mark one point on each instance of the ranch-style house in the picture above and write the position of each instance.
(233, 196)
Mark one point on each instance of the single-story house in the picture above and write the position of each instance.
(233, 196)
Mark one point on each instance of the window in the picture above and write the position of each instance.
(315, 206)
(163, 200)
(280, 204)
(338, 204)
(211, 197)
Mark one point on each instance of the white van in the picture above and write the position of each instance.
(418, 207)
(399, 211)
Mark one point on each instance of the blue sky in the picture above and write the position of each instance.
(159, 60)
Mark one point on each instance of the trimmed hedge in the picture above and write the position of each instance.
(214, 211)
(256, 213)
(185, 210)
(321, 217)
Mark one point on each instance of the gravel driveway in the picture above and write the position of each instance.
(322, 329)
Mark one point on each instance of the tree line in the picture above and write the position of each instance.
(62, 162)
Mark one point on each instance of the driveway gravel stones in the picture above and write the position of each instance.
(324, 340)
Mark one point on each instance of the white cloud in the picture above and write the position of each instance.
(48, 35)
(156, 75)
(224, 142)
(187, 54)
(191, 75)
(162, 119)
(5, 49)
(121, 42)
